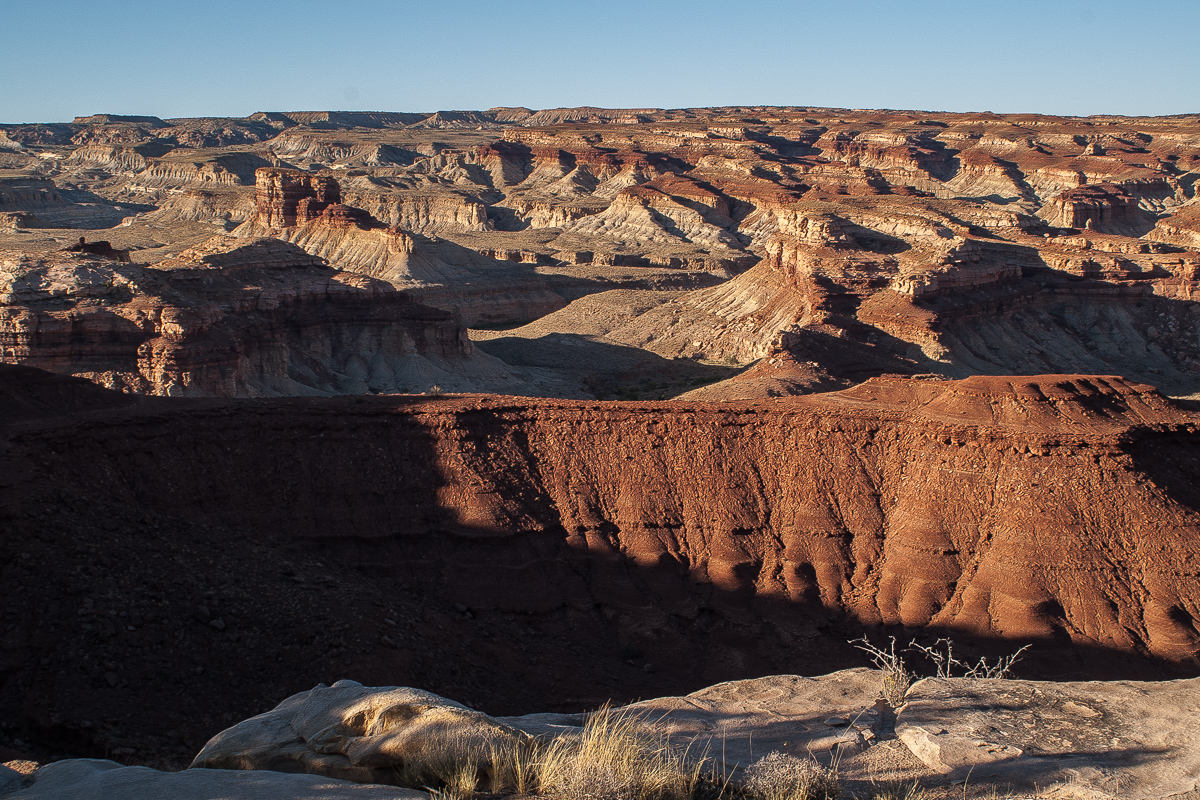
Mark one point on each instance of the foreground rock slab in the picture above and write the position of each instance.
(1131, 739)
(739, 721)
(352, 732)
(10, 779)
(91, 779)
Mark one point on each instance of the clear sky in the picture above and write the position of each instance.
(172, 58)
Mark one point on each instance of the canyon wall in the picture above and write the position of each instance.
(859, 242)
(175, 552)
(1030, 509)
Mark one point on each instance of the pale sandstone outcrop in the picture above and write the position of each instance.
(368, 734)
(431, 214)
(352, 732)
(1059, 739)
(1127, 739)
(732, 723)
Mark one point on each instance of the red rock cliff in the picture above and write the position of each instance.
(1056, 508)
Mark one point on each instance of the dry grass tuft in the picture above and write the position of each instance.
(618, 757)
(514, 767)
(897, 790)
(458, 781)
(454, 773)
(780, 776)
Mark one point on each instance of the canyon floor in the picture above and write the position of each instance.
(540, 410)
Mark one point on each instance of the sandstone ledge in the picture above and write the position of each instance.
(1017, 738)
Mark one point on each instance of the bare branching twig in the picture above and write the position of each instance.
(896, 677)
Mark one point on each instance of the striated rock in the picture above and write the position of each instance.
(109, 119)
(19, 219)
(428, 214)
(288, 197)
(1181, 228)
(223, 206)
(875, 496)
(342, 119)
(181, 169)
(441, 274)
(232, 318)
(713, 541)
(876, 241)
(1103, 207)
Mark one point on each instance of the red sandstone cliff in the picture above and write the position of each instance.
(515, 552)
(1055, 506)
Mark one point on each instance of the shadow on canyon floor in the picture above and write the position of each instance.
(605, 369)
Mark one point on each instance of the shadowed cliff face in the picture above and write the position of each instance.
(711, 541)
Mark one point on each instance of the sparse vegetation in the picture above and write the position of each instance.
(459, 781)
(619, 757)
(453, 773)
(616, 757)
(515, 767)
(781, 776)
(897, 677)
(941, 653)
(896, 790)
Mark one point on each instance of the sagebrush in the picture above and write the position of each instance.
(781, 776)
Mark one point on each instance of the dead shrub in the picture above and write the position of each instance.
(896, 677)
(780, 776)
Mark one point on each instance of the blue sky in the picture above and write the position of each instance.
(222, 58)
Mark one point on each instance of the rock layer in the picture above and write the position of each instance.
(1125, 738)
(232, 318)
(368, 735)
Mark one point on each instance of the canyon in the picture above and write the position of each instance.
(521, 553)
(546, 409)
(652, 253)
